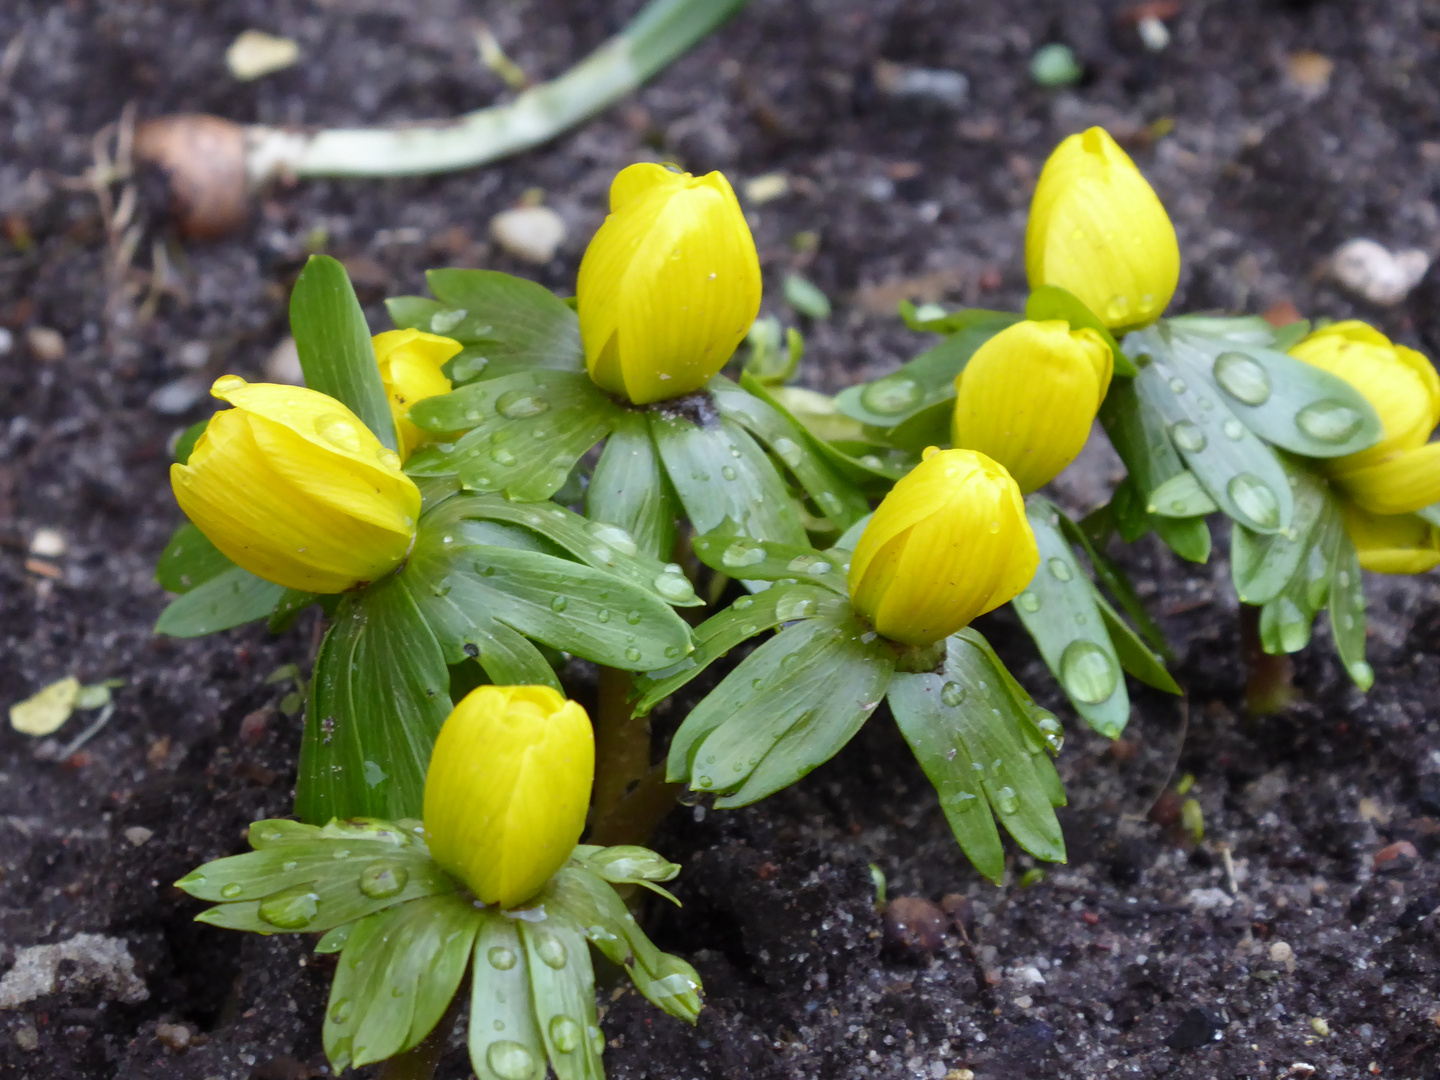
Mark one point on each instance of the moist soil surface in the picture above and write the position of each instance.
(1295, 940)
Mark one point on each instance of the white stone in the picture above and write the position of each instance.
(1373, 272)
(98, 959)
(255, 53)
(1208, 899)
(532, 233)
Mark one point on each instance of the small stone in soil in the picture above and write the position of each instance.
(1196, 1028)
(175, 1036)
(914, 926)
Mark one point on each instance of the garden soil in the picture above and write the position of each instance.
(1298, 939)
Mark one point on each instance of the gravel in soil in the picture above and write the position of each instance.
(1297, 940)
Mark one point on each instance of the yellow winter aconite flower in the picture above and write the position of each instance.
(508, 788)
(409, 362)
(1401, 473)
(291, 485)
(1029, 395)
(1395, 544)
(669, 285)
(949, 543)
(1098, 230)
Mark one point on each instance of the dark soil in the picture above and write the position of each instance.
(1139, 958)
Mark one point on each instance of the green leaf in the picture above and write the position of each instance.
(719, 472)
(230, 599)
(1133, 652)
(603, 546)
(924, 382)
(505, 1041)
(1060, 612)
(1262, 564)
(1285, 401)
(1290, 335)
(478, 597)
(674, 986)
(562, 988)
(966, 732)
(742, 620)
(728, 549)
(1429, 513)
(1139, 437)
(1285, 621)
(1113, 578)
(1347, 611)
(629, 488)
(1187, 537)
(1053, 302)
(306, 882)
(805, 296)
(189, 559)
(519, 325)
(523, 432)
(1240, 472)
(396, 977)
(413, 312)
(185, 445)
(1182, 496)
(378, 696)
(333, 341)
(953, 322)
(787, 708)
(837, 498)
(626, 864)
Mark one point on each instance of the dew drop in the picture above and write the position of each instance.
(1117, 309)
(229, 892)
(633, 618)
(227, 384)
(632, 654)
(388, 458)
(291, 909)
(743, 553)
(1242, 378)
(1329, 421)
(1059, 569)
(501, 958)
(789, 451)
(603, 615)
(674, 586)
(339, 431)
(808, 564)
(551, 951)
(789, 608)
(518, 404)
(1234, 430)
(1028, 601)
(672, 651)
(501, 456)
(729, 473)
(597, 1040)
(613, 536)
(559, 604)
(743, 603)
(1087, 672)
(1177, 386)
(442, 322)
(509, 1060)
(1253, 498)
(1006, 801)
(341, 1010)
(382, 879)
(952, 694)
(564, 1034)
(890, 395)
(1053, 732)
(1188, 436)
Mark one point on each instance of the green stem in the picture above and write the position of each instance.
(658, 35)
(622, 744)
(1269, 680)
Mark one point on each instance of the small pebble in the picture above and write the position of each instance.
(193, 355)
(532, 233)
(914, 926)
(178, 397)
(1055, 65)
(7, 341)
(175, 1036)
(48, 543)
(767, 188)
(47, 344)
(283, 364)
(1282, 953)
(935, 86)
(1374, 273)
(1309, 73)
(1397, 858)
(254, 54)
(1320, 1026)
(27, 1038)
(138, 835)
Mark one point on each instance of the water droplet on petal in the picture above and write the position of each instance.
(1087, 672)
(890, 395)
(501, 958)
(381, 879)
(291, 909)
(1188, 436)
(339, 431)
(519, 404)
(227, 384)
(564, 1034)
(1242, 378)
(509, 1060)
(1329, 421)
(1253, 498)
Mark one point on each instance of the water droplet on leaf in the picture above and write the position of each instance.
(518, 404)
(1188, 436)
(501, 958)
(551, 950)
(509, 1060)
(1059, 569)
(1253, 498)
(1029, 602)
(1242, 378)
(952, 694)
(743, 553)
(382, 879)
(890, 395)
(1087, 672)
(292, 909)
(229, 892)
(564, 1034)
(1329, 421)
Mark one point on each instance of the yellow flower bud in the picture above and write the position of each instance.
(1403, 544)
(291, 485)
(1029, 395)
(669, 285)
(409, 363)
(949, 543)
(508, 788)
(1401, 473)
(1098, 230)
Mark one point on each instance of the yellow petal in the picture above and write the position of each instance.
(508, 788)
(1401, 484)
(1029, 395)
(948, 544)
(669, 286)
(1098, 229)
(44, 712)
(1403, 544)
(1400, 383)
(410, 365)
